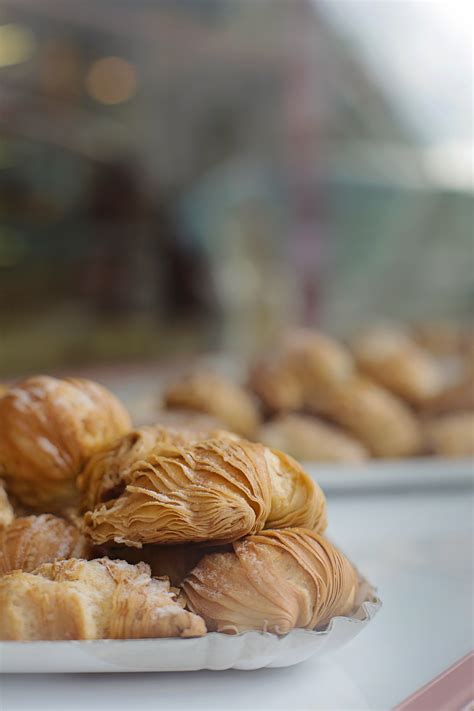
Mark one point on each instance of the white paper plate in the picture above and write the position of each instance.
(250, 650)
(422, 473)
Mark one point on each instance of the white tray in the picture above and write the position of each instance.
(250, 650)
(423, 473)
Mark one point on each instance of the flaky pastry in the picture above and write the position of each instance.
(213, 394)
(30, 541)
(48, 428)
(216, 490)
(390, 357)
(382, 422)
(310, 439)
(6, 509)
(274, 581)
(97, 599)
(451, 435)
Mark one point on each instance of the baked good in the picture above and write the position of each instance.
(216, 490)
(451, 435)
(310, 439)
(304, 361)
(173, 562)
(97, 599)
(393, 359)
(30, 541)
(212, 394)
(274, 581)
(456, 397)
(6, 509)
(49, 429)
(382, 422)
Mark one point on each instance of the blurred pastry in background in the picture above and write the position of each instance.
(381, 421)
(457, 397)
(394, 360)
(49, 429)
(7, 513)
(445, 337)
(274, 581)
(30, 541)
(451, 435)
(188, 420)
(303, 361)
(214, 395)
(310, 439)
(96, 599)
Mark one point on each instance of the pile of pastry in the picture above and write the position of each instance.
(389, 393)
(109, 532)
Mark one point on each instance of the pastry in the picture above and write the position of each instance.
(445, 337)
(382, 422)
(310, 439)
(97, 599)
(188, 420)
(305, 361)
(29, 541)
(214, 395)
(451, 435)
(216, 490)
(49, 427)
(457, 397)
(392, 359)
(6, 509)
(174, 562)
(274, 581)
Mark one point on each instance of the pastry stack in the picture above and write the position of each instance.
(162, 531)
(383, 395)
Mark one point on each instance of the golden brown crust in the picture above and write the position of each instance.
(310, 439)
(381, 421)
(98, 599)
(451, 435)
(33, 540)
(49, 428)
(147, 489)
(274, 581)
(217, 490)
(392, 359)
(212, 394)
(6, 509)
(457, 397)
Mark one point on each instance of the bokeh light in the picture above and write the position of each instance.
(17, 44)
(111, 80)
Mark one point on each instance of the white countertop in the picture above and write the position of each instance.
(416, 548)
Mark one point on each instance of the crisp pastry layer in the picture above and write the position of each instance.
(382, 422)
(97, 599)
(451, 435)
(310, 439)
(49, 428)
(391, 358)
(274, 581)
(6, 509)
(303, 362)
(30, 541)
(212, 394)
(144, 489)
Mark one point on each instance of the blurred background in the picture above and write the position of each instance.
(188, 176)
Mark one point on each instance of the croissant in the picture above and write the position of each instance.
(392, 359)
(97, 599)
(49, 427)
(309, 439)
(304, 361)
(29, 541)
(214, 395)
(451, 435)
(457, 397)
(6, 509)
(216, 490)
(382, 422)
(274, 581)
